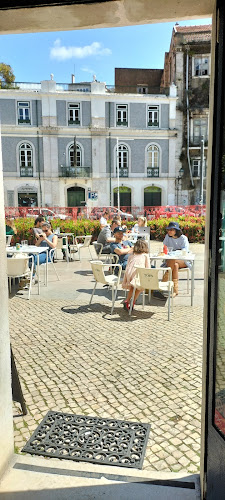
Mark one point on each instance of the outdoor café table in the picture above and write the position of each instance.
(32, 249)
(177, 255)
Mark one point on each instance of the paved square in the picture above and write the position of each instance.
(76, 358)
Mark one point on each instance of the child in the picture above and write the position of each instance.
(139, 258)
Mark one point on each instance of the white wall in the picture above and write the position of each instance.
(6, 421)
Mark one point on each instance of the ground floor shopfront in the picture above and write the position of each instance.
(93, 192)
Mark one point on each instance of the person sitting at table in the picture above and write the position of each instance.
(175, 240)
(122, 248)
(142, 222)
(104, 218)
(106, 237)
(45, 239)
(10, 228)
(37, 229)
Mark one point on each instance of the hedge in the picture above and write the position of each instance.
(192, 227)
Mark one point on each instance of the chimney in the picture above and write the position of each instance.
(73, 78)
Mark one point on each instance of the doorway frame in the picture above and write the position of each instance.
(123, 10)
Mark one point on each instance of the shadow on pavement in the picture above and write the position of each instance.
(119, 314)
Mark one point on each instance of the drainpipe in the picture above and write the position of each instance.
(110, 167)
(188, 120)
(38, 156)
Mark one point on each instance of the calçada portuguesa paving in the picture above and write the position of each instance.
(79, 359)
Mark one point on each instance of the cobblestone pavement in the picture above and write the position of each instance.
(78, 359)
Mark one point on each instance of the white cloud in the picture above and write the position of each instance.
(62, 53)
(88, 70)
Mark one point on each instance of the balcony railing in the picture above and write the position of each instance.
(73, 122)
(119, 123)
(74, 171)
(153, 124)
(26, 171)
(152, 172)
(26, 120)
(123, 172)
(196, 141)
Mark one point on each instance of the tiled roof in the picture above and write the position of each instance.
(193, 29)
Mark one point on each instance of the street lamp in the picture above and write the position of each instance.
(177, 182)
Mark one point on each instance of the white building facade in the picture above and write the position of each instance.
(44, 124)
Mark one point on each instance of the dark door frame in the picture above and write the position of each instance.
(214, 451)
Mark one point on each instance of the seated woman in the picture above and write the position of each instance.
(177, 241)
(45, 239)
(142, 222)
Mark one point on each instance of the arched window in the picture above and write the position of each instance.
(153, 161)
(26, 160)
(77, 160)
(123, 160)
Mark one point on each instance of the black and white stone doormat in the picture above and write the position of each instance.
(90, 439)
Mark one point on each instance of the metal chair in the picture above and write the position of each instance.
(19, 268)
(148, 279)
(112, 281)
(76, 247)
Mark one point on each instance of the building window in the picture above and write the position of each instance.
(196, 167)
(201, 66)
(200, 128)
(26, 160)
(122, 115)
(142, 89)
(123, 158)
(153, 116)
(74, 114)
(23, 109)
(153, 161)
(77, 161)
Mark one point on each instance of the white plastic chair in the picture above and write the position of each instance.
(149, 280)
(19, 268)
(98, 249)
(8, 239)
(111, 280)
(76, 247)
(61, 246)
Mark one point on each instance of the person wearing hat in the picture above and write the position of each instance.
(122, 248)
(176, 241)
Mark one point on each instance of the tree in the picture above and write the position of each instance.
(7, 76)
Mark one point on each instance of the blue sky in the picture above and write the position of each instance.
(34, 56)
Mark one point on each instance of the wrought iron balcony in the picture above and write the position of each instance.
(196, 141)
(153, 124)
(123, 172)
(26, 171)
(152, 172)
(120, 123)
(27, 120)
(73, 122)
(74, 171)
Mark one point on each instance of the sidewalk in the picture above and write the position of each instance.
(79, 359)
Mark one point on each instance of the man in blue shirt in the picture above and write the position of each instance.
(122, 248)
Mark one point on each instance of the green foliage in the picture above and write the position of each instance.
(192, 227)
(7, 76)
